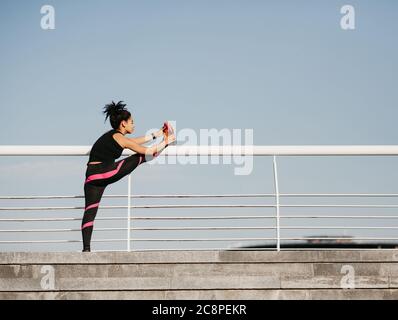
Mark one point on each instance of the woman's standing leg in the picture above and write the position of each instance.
(95, 185)
(93, 196)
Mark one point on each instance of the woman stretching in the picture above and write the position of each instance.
(102, 168)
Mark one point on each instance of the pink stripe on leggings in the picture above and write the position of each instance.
(104, 175)
(92, 206)
(88, 224)
(140, 160)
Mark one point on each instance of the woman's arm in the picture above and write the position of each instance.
(156, 149)
(147, 138)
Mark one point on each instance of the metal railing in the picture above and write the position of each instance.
(273, 220)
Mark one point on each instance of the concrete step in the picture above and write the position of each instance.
(197, 276)
(385, 255)
(205, 274)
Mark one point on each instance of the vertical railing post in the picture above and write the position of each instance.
(128, 211)
(278, 237)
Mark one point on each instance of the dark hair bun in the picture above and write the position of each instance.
(116, 112)
(113, 109)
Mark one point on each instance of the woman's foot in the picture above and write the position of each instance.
(167, 129)
(86, 250)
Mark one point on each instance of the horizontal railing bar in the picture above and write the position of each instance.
(336, 238)
(139, 229)
(262, 249)
(43, 208)
(146, 206)
(201, 218)
(56, 219)
(248, 239)
(145, 196)
(214, 239)
(258, 217)
(62, 230)
(189, 249)
(211, 239)
(210, 196)
(204, 218)
(345, 217)
(202, 228)
(59, 241)
(42, 197)
(206, 249)
(205, 150)
(260, 228)
(338, 206)
(204, 206)
(343, 227)
(338, 195)
(338, 248)
(139, 218)
(124, 240)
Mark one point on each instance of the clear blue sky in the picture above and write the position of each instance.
(282, 68)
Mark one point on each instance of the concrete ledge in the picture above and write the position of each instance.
(200, 275)
(387, 255)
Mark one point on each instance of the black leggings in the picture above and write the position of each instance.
(98, 176)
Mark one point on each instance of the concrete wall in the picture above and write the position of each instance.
(200, 275)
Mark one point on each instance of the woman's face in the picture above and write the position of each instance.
(129, 125)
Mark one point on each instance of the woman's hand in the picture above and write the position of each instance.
(170, 139)
(158, 133)
(167, 140)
